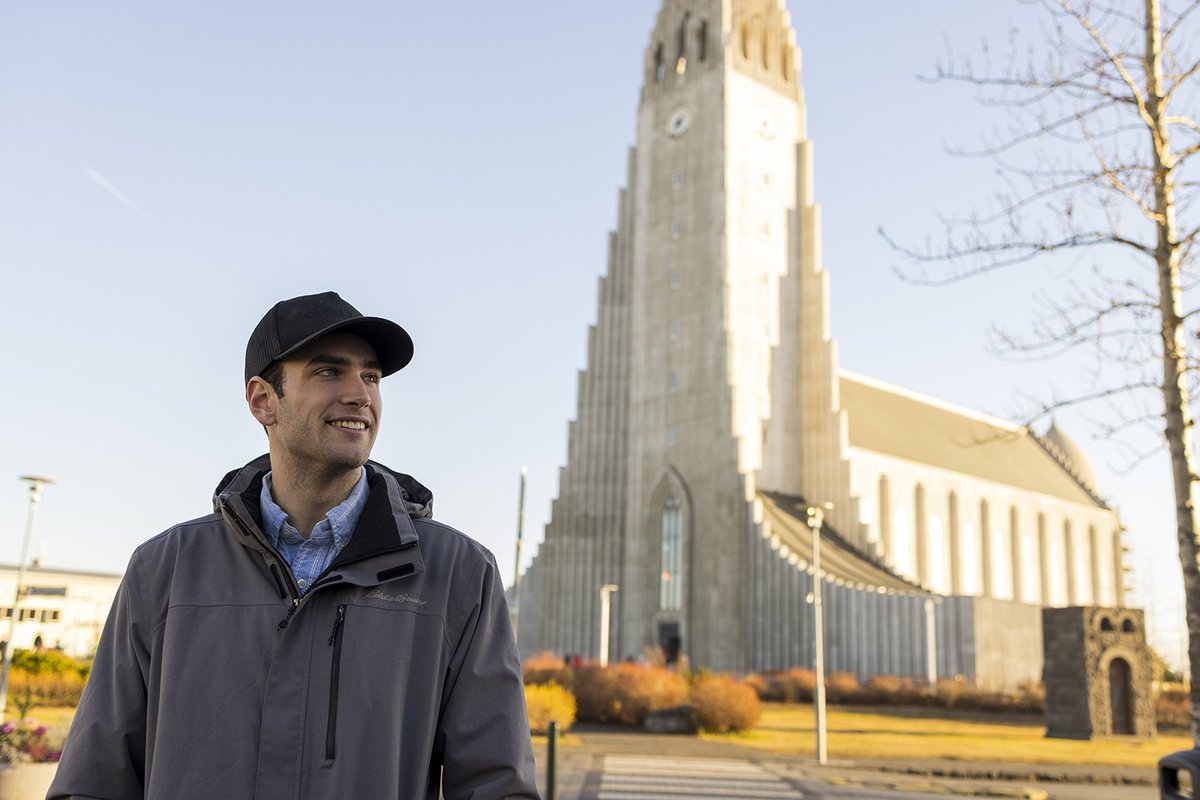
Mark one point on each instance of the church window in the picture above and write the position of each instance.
(673, 331)
(670, 434)
(674, 279)
(937, 554)
(660, 70)
(985, 548)
(953, 544)
(766, 48)
(866, 511)
(885, 520)
(745, 41)
(702, 40)
(681, 45)
(785, 63)
(672, 382)
(1016, 553)
(677, 180)
(676, 229)
(670, 584)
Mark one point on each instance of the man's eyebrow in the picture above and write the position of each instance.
(340, 361)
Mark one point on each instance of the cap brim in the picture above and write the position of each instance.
(392, 344)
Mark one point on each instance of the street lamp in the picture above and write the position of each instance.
(605, 600)
(815, 518)
(36, 484)
(516, 584)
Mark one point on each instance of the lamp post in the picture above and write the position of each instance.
(516, 606)
(605, 600)
(816, 517)
(36, 484)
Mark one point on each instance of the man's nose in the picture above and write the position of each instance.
(356, 392)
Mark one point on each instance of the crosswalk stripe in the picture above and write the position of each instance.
(649, 777)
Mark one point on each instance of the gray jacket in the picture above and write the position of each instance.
(396, 674)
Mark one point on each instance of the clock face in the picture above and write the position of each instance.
(765, 124)
(678, 122)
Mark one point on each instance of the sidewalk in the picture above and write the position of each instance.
(581, 754)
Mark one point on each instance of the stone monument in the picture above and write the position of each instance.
(1098, 673)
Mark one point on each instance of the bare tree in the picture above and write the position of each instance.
(1095, 161)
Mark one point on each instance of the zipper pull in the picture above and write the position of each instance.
(337, 623)
(284, 622)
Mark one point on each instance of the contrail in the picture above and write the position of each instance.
(115, 192)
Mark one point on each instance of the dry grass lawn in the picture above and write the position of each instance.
(896, 733)
(50, 716)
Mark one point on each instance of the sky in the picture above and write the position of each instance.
(168, 171)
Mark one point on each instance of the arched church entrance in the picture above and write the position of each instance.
(670, 642)
(1120, 691)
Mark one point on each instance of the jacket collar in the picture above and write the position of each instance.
(384, 544)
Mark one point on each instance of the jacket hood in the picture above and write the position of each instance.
(417, 498)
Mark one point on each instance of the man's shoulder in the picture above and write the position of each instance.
(176, 534)
(445, 541)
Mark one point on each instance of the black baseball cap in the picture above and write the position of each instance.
(291, 324)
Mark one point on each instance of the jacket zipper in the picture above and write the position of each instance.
(335, 641)
(280, 562)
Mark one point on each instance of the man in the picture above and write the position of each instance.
(318, 636)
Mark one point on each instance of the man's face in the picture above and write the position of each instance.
(328, 417)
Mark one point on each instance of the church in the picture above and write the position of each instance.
(713, 414)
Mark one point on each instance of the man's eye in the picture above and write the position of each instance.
(371, 378)
(327, 371)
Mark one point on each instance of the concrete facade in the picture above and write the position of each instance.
(712, 406)
(65, 608)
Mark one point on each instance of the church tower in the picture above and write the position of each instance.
(677, 426)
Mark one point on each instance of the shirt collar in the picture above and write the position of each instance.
(339, 520)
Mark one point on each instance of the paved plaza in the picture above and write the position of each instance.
(598, 763)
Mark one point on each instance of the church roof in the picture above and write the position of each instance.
(840, 560)
(894, 422)
(1070, 454)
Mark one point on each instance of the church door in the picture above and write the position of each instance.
(670, 642)
(1120, 690)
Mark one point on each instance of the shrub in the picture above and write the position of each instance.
(42, 662)
(1030, 696)
(891, 690)
(1172, 707)
(546, 667)
(641, 689)
(841, 687)
(596, 693)
(724, 704)
(792, 686)
(758, 683)
(45, 689)
(951, 692)
(548, 703)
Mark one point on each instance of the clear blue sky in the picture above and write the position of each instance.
(170, 170)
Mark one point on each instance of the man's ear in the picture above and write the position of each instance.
(261, 398)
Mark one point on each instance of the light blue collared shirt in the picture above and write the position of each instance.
(309, 557)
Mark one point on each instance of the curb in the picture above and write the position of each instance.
(1017, 792)
(1035, 773)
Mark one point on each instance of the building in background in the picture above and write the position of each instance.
(712, 409)
(63, 609)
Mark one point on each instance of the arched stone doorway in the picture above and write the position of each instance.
(1120, 694)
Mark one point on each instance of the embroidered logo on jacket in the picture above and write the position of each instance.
(379, 594)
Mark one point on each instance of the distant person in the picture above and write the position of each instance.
(318, 636)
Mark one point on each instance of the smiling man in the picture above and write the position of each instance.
(319, 635)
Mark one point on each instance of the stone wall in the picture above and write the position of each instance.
(1098, 673)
